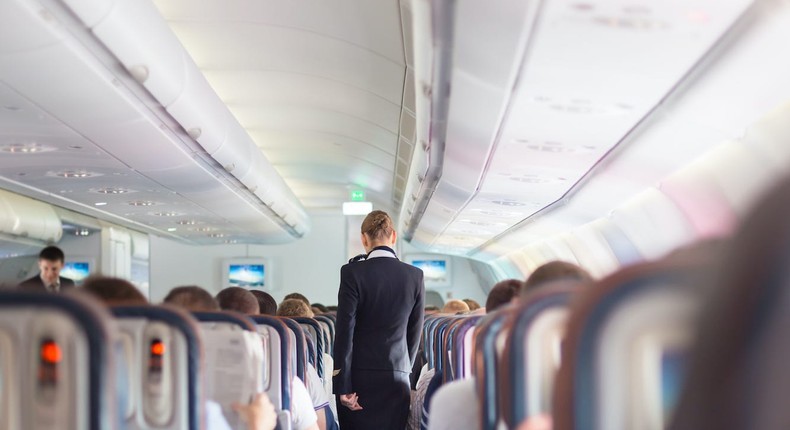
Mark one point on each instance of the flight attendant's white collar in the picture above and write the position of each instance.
(381, 252)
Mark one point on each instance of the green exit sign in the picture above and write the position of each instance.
(358, 196)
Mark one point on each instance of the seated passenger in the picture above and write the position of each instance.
(318, 396)
(239, 300)
(456, 404)
(294, 308)
(114, 291)
(430, 310)
(192, 298)
(473, 305)
(455, 306)
(297, 296)
(266, 303)
(418, 398)
(554, 271)
(303, 415)
(321, 308)
(503, 293)
(259, 414)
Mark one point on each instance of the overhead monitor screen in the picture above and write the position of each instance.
(433, 270)
(77, 271)
(246, 275)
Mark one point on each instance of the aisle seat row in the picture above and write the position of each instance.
(68, 363)
(695, 340)
(603, 356)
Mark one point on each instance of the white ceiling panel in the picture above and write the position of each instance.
(261, 120)
(217, 48)
(372, 25)
(318, 85)
(274, 89)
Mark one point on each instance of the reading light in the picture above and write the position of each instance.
(357, 208)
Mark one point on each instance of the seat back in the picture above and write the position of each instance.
(451, 350)
(489, 341)
(299, 347)
(235, 368)
(316, 336)
(163, 351)
(330, 328)
(737, 372)
(626, 333)
(275, 335)
(461, 347)
(531, 354)
(277, 338)
(55, 363)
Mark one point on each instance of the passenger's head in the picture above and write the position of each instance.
(266, 303)
(555, 271)
(430, 310)
(294, 308)
(192, 298)
(321, 308)
(454, 306)
(50, 263)
(113, 291)
(238, 299)
(473, 305)
(297, 296)
(332, 308)
(377, 230)
(502, 293)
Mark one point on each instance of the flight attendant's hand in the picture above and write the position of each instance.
(350, 401)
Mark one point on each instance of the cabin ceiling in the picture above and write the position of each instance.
(542, 95)
(545, 116)
(78, 130)
(318, 86)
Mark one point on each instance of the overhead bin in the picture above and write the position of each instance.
(24, 217)
(137, 35)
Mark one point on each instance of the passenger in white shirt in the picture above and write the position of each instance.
(318, 395)
(303, 415)
(454, 406)
(295, 307)
(329, 364)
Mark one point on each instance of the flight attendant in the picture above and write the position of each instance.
(50, 262)
(379, 319)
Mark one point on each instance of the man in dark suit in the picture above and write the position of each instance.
(379, 320)
(50, 263)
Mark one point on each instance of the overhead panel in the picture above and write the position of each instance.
(543, 91)
(84, 134)
(318, 85)
(738, 93)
